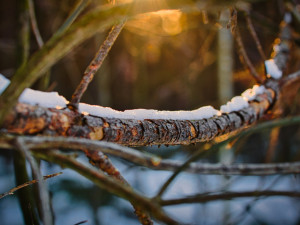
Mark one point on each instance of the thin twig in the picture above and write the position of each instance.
(107, 183)
(244, 57)
(96, 63)
(13, 190)
(23, 44)
(44, 80)
(101, 161)
(43, 192)
(227, 196)
(78, 7)
(234, 169)
(130, 154)
(254, 35)
(34, 25)
(291, 78)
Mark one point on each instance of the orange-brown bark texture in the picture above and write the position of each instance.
(36, 120)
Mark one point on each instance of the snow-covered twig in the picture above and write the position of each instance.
(281, 51)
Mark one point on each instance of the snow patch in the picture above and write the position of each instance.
(236, 103)
(4, 82)
(141, 114)
(54, 100)
(32, 97)
(44, 99)
(272, 69)
(251, 93)
(240, 102)
(276, 48)
(288, 17)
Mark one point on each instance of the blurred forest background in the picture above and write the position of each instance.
(168, 60)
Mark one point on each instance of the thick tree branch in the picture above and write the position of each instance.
(28, 119)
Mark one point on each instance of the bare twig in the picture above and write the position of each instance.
(74, 13)
(44, 80)
(101, 161)
(129, 154)
(254, 35)
(244, 57)
(13, 190)
(227, 196)
(96, 64)
(234, 169)
(81, 222)
(291, 78)
(23, 45)
(43, 192)
(34, 25)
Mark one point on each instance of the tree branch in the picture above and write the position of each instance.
(28, 119)
(101, 161)
(13, 190)
(254, 35)
(154, 162)
(227, 196)
(96, 64)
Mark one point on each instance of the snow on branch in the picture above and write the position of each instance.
(34, 119)
(276, 65)
(54, 100)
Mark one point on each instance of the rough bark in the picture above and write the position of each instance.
(36, 120)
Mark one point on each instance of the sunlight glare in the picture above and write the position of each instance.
(160, 22)
(170, 21)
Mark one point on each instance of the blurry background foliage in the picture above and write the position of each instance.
(163, 60)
